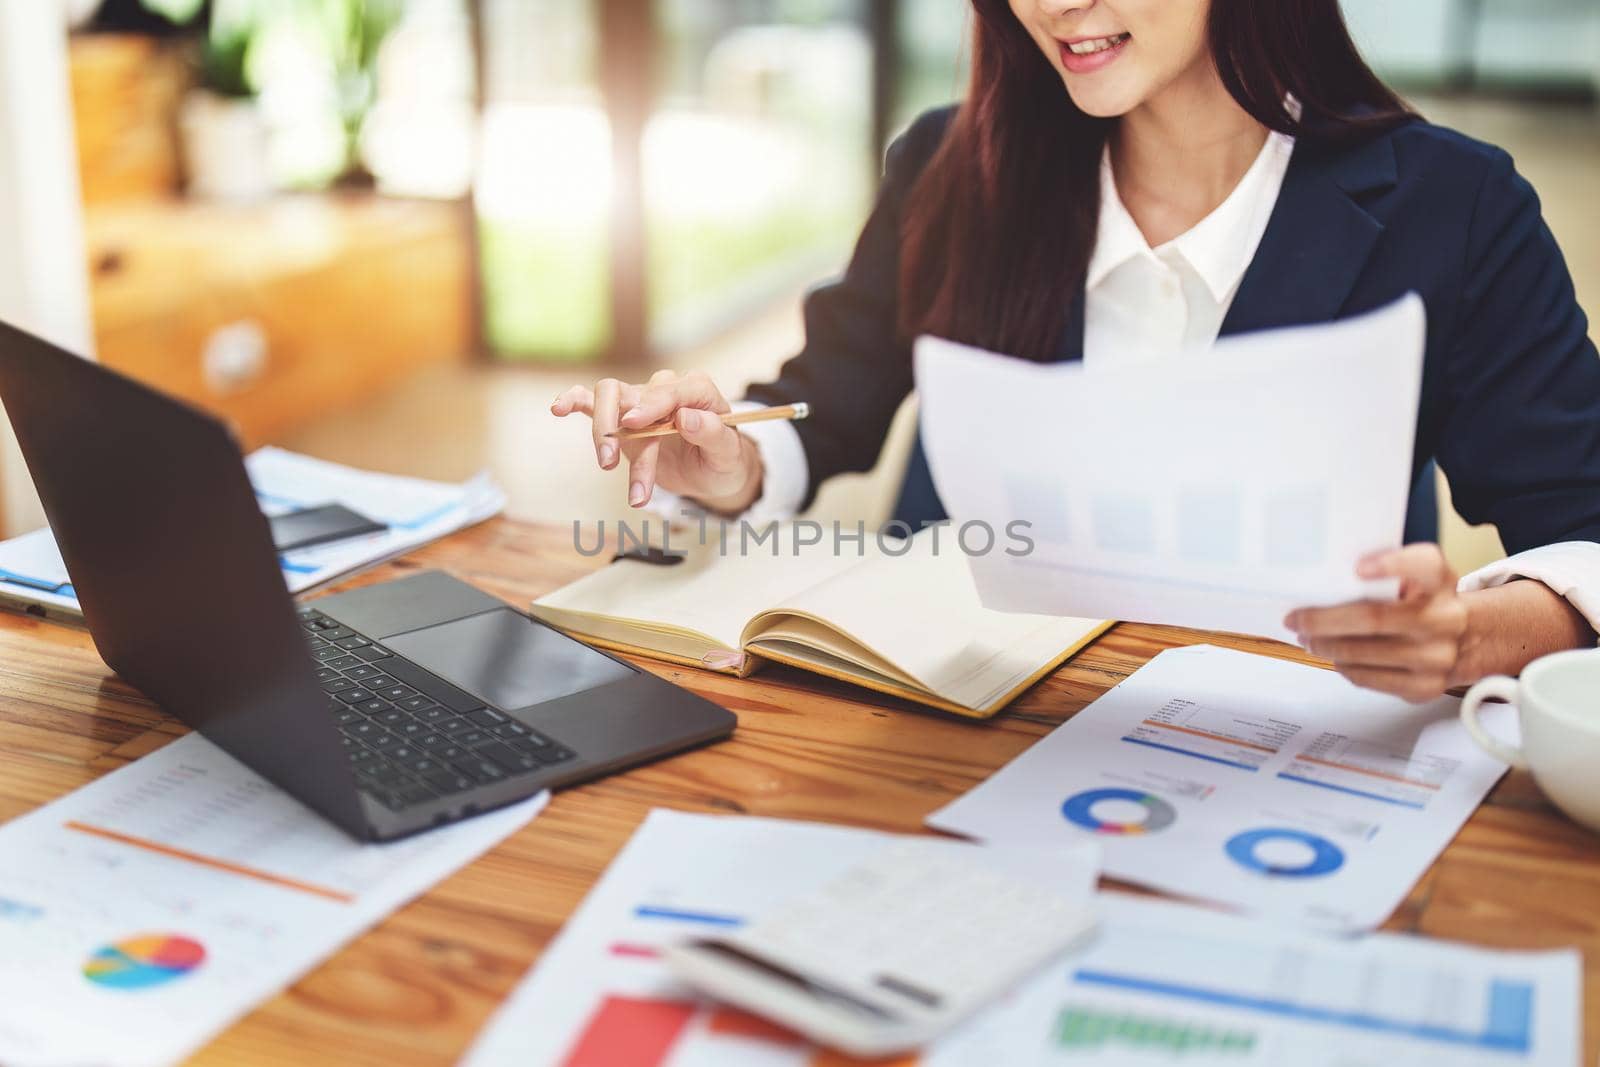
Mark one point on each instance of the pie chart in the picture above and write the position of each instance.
(143, 962)
(1314, 855)
(1148, 813)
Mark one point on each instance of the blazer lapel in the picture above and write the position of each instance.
(1070, 348)
(1317, 243)
(1319, 237)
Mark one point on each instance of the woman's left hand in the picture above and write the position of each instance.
(1411, 647)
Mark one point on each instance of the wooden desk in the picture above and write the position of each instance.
(417, 988)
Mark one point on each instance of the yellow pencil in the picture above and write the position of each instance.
(789, 412)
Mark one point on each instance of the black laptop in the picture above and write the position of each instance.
(390, 709)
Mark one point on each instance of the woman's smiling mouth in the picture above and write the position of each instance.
(1086, 54)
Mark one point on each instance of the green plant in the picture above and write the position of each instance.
(177, 12)
(223, 58)
(225, 45)
(354, 31)
(349, 32)
(241, 45)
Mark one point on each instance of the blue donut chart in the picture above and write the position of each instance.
(1327, 857)
(1158, 813)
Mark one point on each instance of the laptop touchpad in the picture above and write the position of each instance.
(507, 660)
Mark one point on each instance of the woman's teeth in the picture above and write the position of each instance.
(1099, 44)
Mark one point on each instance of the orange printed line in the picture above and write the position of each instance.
(1212, 737)
(828, 1058)
(731, 1022)
(214, 864)
(1363, 770)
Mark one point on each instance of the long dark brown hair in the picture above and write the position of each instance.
(998, 229)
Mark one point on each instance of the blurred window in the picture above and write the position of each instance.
(544, 182)
(756, 158)
(934, 50)
(417, 139)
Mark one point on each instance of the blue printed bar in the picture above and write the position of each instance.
(1508, 1028)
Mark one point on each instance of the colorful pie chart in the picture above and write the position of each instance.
(143, 962)
(1321, 855)
(1157, 813)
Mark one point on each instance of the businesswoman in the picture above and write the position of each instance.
(1130, 179)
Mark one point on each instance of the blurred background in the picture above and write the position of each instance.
(388, 232)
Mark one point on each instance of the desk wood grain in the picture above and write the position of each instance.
(417, 988)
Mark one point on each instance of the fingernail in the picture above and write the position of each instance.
(608, 455)
(691, 420)
(634, 415)
(637, 494)
(1291, 621)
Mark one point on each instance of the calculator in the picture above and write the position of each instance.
(897, 950)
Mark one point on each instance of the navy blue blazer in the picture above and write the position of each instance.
(1510, 404)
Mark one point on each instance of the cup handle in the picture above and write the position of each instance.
(1505, 688)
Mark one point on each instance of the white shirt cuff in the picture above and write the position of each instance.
(1571, 569)
(784, 479)
(785, 474)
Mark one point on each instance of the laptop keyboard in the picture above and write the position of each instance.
(411, 737)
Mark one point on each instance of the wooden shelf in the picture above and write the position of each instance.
(349, 292)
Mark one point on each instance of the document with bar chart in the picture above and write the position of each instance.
(601, 997)
(1166, 983)
(143, 913)
(1264, 785)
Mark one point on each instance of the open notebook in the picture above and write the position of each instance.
(909, 625)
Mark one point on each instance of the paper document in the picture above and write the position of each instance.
(1159, 983)
(1260, 784)
(415, 512)
(1164, 984)
(31, 571)
(142, 914)
(601, 995)
(1219, 491)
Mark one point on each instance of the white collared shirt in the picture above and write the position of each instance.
(1148, 304)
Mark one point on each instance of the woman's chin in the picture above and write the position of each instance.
(1102, 101)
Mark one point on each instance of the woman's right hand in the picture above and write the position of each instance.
(712, 463)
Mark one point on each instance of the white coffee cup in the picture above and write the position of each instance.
(1558, 701)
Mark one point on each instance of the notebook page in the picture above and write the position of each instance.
(710, 592)
(920, 612)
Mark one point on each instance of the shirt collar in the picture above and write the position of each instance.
(1220, 246)
(1117, 239)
